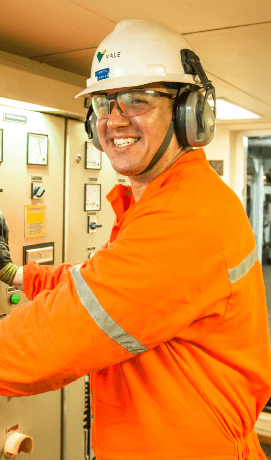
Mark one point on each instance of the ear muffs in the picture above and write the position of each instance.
(91, 129)
(95, 137)
(186, 122)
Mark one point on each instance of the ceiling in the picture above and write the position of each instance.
(232, 37)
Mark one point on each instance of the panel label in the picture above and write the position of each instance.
(14, 117)
(102, 74)
(35, 220)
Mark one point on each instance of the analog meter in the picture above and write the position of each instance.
(92, 197)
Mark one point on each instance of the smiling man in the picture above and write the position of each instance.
(170, 316)
(131, 137)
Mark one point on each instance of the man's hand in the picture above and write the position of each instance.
(4, 249)
(7, 268)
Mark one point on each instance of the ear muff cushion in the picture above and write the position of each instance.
(94, 133)
(180, 119)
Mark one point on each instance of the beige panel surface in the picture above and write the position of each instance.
(15, 179)
(77, 242)
(74, 444)
(37, 416)
(77, 238)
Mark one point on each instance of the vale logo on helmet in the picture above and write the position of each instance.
(108, 55)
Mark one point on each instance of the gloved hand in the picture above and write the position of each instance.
(7, 268)
(4, 249)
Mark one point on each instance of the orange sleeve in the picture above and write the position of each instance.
(37, 278)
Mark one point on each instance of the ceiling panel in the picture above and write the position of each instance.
(185, 15)
(30, 28)
(241, 57)
(78, 62)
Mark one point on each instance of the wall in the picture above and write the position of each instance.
(219, 148)
(228, 145)
(24, 80)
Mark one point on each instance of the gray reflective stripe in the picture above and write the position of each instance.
(243, 268)
(101, 318)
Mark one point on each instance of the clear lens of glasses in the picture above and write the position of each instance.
(130, 103)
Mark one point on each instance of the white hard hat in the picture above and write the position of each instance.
(138, 52)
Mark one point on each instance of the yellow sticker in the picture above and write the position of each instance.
(35, 217)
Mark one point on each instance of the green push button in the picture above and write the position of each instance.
(14, 299)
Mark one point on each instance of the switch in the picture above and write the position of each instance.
(93, 225)
(37, 190)
(14, 299)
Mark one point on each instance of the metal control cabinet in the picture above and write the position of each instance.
(36, 416)
(57, 421)
(79, 245)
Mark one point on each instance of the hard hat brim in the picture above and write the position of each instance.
(129, 81)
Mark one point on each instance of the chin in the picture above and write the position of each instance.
(127, 170)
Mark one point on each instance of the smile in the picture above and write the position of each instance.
(124, 142)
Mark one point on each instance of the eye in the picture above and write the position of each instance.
(139, 101)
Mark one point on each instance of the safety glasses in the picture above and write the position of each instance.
(130, 103)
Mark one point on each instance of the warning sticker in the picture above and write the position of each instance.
(35, 220)
(102, 74)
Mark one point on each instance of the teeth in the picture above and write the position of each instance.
(128, 141)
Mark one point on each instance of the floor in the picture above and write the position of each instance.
(267, 282)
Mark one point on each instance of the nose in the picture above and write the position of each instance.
(116, 120)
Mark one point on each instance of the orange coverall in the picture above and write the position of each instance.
(170, 318)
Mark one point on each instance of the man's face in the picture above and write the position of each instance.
(146, 133)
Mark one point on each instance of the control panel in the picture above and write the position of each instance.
(53, 186)
(32, 161)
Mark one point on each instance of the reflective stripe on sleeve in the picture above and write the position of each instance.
(243, 268)
(101, 317)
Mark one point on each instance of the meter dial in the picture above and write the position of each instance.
(92, 197)
(37, 149)
(93, 156)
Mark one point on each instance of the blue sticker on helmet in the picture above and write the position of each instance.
(102, 74)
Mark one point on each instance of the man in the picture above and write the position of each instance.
(170, 317)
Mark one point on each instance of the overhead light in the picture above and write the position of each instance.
(25, 105)
(228, 111)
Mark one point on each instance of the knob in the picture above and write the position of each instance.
(14, 299)
(39, 191)
(78, 158)
(93, 225)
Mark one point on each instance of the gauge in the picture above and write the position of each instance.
(92, 197)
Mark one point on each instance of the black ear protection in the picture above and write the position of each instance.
(91, 129)
(193, 117)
